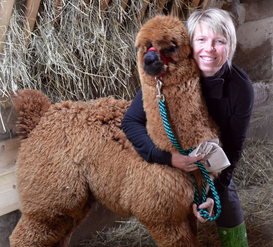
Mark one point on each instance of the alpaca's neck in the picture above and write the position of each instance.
(187, 115)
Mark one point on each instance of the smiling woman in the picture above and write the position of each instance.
(229, 97)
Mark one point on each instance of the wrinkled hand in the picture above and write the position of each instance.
(186, 163)
(208, 205)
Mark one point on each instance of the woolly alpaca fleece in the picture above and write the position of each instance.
(77, 154)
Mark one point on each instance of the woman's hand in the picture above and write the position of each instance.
(186, 163)
(208, 205)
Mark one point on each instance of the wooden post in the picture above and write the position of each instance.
(32, 7)
(8, 193)
(6, 7)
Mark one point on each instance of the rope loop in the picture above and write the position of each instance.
(206, 178)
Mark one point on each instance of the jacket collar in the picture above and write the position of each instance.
(212, 87)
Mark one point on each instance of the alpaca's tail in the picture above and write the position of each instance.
(31, 106)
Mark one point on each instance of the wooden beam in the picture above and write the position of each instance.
(205, 4)
(144, 7)
(32, 7)
(176, 9)
(6, 7)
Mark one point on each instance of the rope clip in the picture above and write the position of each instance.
(160, 96)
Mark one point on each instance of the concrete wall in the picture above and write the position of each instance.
(254, 23)
(254, 54)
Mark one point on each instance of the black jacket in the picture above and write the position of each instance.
(229, 97)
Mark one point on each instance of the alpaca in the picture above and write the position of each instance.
(77, 154)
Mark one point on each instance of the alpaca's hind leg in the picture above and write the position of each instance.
(45, 229)
(32, 233)
(84, 214)
(55, 232)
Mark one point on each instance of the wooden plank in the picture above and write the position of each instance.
(6, 7)
(32, 7)
(177, 8)
(9, 200)
(8, 152)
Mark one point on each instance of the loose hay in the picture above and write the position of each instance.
(253, 177)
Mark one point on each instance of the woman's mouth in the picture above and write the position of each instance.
(208, 58)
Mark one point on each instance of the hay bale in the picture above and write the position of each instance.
(78, 50)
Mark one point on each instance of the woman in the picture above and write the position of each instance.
(229, 96)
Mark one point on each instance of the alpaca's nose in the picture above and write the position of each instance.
(153, 63)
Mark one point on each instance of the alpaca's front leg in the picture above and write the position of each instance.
(179, 234)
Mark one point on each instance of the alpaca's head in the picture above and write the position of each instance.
(168, 38)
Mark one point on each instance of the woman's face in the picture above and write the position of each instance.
(210, 50)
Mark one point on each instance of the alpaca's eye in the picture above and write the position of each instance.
(167, 52)
(149, 46)
(172, 49)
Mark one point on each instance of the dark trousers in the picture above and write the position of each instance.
(231, 214)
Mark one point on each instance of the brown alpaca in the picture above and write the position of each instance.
(77, 154)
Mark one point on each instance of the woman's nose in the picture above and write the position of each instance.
(210, 46)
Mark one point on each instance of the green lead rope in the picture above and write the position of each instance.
(203, 212)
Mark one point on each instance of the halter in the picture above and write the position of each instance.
(165, 60)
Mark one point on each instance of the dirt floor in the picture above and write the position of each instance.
(260, 234)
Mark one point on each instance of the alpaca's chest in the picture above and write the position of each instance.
(155, 126)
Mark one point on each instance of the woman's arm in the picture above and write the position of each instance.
(134, 126)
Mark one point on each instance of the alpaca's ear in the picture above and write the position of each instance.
(140, 45)
(137, 43)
